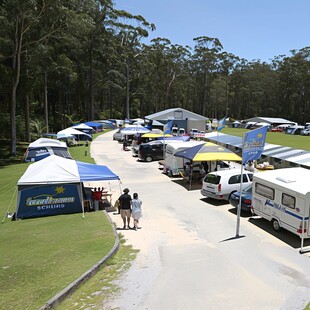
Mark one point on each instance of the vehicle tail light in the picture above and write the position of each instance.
(247, 201)
(219, 187)
(300, 228)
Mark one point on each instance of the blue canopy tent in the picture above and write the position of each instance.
(91, 172)
(54, 185)
(84, 128)
(96, 126)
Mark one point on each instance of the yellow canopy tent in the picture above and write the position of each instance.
(208, 152)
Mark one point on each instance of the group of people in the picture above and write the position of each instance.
(96, 197)
(130, 208)
(199, 174)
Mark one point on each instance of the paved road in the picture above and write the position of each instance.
(189, 258)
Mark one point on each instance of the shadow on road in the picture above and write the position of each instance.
(214, 202)
(243, 214)
(184, 184)
(283, 235)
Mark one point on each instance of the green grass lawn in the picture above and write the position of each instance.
(41, 256)
(294, 141)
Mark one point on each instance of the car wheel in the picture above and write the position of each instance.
(148, 158)
(230, 195)
(276, 225)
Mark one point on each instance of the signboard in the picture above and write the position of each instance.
(46, 200)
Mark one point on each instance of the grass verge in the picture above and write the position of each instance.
(99, 289)
(41, 256)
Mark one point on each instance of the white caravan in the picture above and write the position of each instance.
(172, 163)
(282, 196)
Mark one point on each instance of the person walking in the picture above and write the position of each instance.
(136, 210)
(125, 207)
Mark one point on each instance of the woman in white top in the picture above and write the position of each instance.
(136, 211)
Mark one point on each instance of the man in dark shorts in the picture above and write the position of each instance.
(125, 207)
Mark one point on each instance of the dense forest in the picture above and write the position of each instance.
(63, 62)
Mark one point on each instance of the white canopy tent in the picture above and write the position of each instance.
(54, 186)
(70, 132)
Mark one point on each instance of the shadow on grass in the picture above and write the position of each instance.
(6, 158)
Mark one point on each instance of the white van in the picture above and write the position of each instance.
(282, 196)
(181, 131)
(174, 131)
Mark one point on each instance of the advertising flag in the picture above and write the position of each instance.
(254, 143)
(168, 127)
(221, 124)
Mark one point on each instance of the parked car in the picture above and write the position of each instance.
(294, 130)
(118, 136)
(221, 184)
(305, 132)
(193, 132)
(174, 131)
(246, 198)
(150, 151)
(181, 131)
(277, 129)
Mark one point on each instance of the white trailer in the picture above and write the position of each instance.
(172, 163)
(282, 196)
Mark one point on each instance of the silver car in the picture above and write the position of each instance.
(221, 184)
(118, 136)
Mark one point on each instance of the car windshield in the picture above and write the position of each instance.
(212, 178)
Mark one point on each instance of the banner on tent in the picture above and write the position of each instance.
(46, 200)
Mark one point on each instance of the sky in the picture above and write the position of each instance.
(250, 29)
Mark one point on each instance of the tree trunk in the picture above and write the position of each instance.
(15, 81)
(91, 82)
(27, 118)
(127, 89)
(45, 101)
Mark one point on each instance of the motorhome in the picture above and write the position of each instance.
(282, 196)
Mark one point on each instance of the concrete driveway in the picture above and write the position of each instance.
(189, 258)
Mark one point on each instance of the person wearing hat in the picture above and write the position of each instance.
(125, 207)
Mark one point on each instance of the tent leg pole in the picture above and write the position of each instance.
(7, 210)
(82, 200)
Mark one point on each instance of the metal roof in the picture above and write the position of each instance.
(270, 120)
(296, 156)
(170, 114)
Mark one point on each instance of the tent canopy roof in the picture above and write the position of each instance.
(208, 152)
(55, 170)
(93, 124)
(71, 131)
(41, 142)
(82, 126)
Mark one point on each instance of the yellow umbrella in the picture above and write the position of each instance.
(155, 135)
